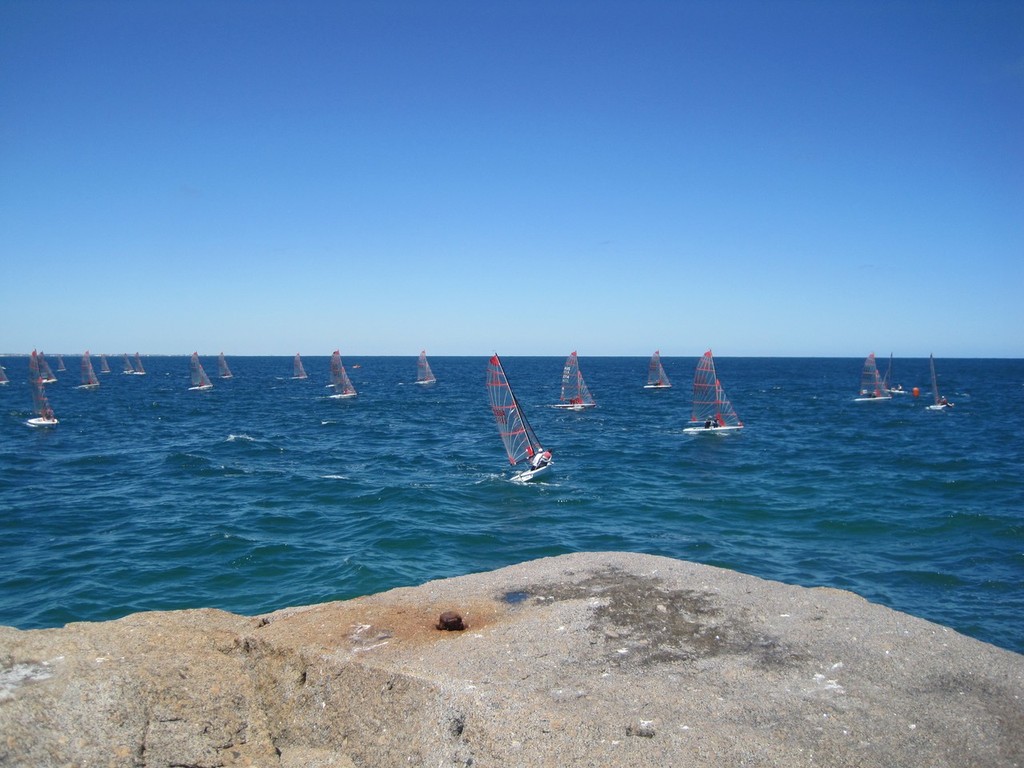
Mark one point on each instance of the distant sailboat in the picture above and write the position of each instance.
(941, 403)
(126, 365)
(104, 365)
(60, 363)
(712, 411)
(89, 380)
(423, 373)
(222, 368)
(575, 393)
(139, 370)
(298, 372)
(44, 413)
(656, 378)
(339, 378)
(871, 387)
(200, 381)
(887, 381)
(3, 375)
(521, 444)
(45, 372)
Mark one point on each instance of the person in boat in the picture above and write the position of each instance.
(707, 424)
(540, 460)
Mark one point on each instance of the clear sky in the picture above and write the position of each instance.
(762, 178)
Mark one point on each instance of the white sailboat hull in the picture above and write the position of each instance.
(574, 406)
(702, 430)
(39, 421)
(530, 474)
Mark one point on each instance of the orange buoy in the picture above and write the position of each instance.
(916, 391)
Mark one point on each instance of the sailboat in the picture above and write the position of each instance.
(575, 394)
(656, 378)
(104, 365)
(222, 368)
(3, 375)
(423, 373)
(298, 372)
(887, 381)
(89, 380)
(871, 387)
(44, 413)
(712, 411)
(521, 443)
(45, 373)
(339, 378)
(60, 363)
(940, 403)
(139, 370)
(200, 381)
(126, 365)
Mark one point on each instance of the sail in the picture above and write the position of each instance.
(3, 375)
(339, 378)
(199, 378)
(126, 364)
(104, 365)
(656, 377)
(222, 367)
(710, 405)
(935, 380)
(298, 372)
(871, 385)
(60, 363)
(423, 373)
(139, 370)
(575, 393)
(517, 435)
(39, 402)
(44, 370)
(88, 374)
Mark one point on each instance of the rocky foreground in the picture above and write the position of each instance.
(602, 659)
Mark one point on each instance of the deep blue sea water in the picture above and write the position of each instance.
(264, 493)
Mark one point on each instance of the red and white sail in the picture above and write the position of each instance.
(656, 378)
(871, 385)
(339, 378)
(198, 376)
(516, 433)
(298, 372)
(222, 367)
(575, 393)
(44, 413)
(711, 408)
(45, 372)
(89, 379)
(423, 373)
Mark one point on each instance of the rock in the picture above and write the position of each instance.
(588, 659)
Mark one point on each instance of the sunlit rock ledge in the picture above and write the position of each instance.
(601, 659)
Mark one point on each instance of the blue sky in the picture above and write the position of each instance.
(762, 178)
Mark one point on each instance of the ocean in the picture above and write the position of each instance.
(264, 493)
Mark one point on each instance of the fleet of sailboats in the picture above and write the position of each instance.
(520, 441)
(712, 411)
(656, 378)
(339, 378)
(200, 381)
(575, 393)
(423, 373)
(872, 389)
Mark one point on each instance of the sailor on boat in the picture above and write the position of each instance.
(540, 460)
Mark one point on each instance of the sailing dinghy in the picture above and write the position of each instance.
(712, 411)
(521, 443)
(126, 365)
(44, 413)
(139, 370)
(423, 373)
(887, 381)
(656, 378)
(104, 365)
(339, 378)
(298, 372)
(575, 394)
(941, 403)
(45, 372)
(222, 368)
(3, 375)
(200, 381)
(89, 380)
(872, 389)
